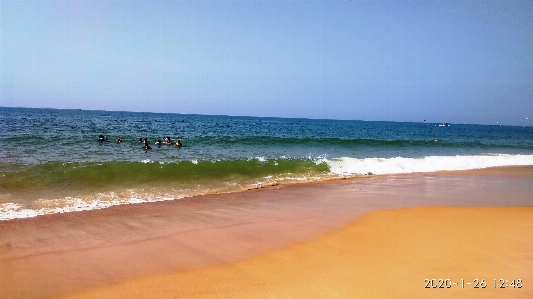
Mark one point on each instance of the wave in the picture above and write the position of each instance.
(351, 166)
(33, 190)
(110, 175)
(55, 176)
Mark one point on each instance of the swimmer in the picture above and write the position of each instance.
(436, 139)
(178, 144)
(158, 143)
(119, 140)
(168, 141)
(140, 141)
(101, 138)
(146, 144)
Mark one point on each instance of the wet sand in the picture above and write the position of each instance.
(360, 233)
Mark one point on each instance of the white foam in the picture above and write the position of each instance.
(13, 211)
(72, 204)
(351, 166)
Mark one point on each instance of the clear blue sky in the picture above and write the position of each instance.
(446, 61)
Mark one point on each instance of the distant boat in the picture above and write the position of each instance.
(444, 125)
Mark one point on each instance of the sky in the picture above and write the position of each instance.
(439, 61)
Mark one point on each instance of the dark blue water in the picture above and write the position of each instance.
(43, 135)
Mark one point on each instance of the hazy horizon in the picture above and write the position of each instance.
(230, 115)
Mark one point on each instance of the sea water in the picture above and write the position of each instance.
(52, 161)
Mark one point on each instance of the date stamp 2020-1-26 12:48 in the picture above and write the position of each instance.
(498, 283)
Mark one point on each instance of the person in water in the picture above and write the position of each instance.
(178, 144)
(101, 138)
(119, 140)
(140, 141)
(168, 141)
(158, 143)
(146, 145)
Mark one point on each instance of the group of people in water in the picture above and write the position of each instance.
(145, 143)
(168, 141)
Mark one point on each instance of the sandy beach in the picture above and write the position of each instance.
(366, 237)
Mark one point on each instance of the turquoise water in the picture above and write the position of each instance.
(53, 162)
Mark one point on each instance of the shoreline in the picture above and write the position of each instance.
(62, 254)
(490, 171)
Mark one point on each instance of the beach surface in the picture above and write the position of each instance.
(370, 237)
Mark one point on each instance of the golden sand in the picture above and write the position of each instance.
(386, 254)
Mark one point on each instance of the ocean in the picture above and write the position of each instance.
(52, 161)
